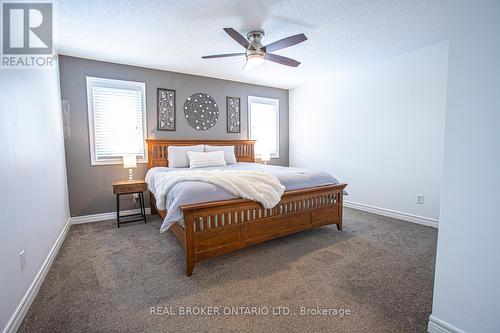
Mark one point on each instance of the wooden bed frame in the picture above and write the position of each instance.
(217, 227)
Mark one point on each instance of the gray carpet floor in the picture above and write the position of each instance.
(106, 279)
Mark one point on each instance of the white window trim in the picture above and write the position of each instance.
(271, 101)
(90, 110)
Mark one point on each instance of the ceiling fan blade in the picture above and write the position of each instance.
(223, 55)
(285, 42)
(282, 60)
(237, 37)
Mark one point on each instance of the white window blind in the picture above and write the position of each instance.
(117, 120)
(264, 124)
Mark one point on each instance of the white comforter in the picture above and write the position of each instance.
(259, 186)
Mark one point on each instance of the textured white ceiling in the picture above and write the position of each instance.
(173, 35)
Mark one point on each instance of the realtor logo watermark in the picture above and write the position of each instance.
(27, 35)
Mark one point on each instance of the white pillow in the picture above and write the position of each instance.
(177, 155)
(229, 155)
(207, 159)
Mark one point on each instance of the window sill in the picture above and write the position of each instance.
(257, 156)
(114, 162)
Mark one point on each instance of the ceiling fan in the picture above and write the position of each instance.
(256, 53)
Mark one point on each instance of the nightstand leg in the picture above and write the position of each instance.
(140, 204)
(118, 209)
(143, 206)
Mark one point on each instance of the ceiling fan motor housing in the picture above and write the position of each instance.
(255, 38)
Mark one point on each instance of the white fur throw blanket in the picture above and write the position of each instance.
(258, 186)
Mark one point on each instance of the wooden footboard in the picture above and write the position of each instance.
(214, 228)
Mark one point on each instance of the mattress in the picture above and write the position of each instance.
(192, 192)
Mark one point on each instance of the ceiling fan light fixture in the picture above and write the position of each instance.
(253, 60)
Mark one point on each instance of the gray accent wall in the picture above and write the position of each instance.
(90, 190)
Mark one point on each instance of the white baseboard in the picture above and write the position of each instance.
(392, 213)
(104, 216)
(21, 310)
(436, 325)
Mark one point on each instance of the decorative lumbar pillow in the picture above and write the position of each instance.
(177, 155)
(206, 159)
(229, 155)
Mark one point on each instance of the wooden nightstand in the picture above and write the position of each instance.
(122, 187)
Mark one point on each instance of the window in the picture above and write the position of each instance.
(263, 114)
(117, 120)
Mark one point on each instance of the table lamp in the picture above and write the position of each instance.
(130, 162)
(265, 157)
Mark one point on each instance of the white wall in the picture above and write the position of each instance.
(33, 196)
(378, 128)
(467, 285)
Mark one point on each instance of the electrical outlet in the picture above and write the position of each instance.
(22, 260)
(420, 199)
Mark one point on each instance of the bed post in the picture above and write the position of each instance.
(189, 224)
(341, 209)
(152, 204)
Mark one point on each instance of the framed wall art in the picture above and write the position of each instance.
(233, 114)
(166, 109)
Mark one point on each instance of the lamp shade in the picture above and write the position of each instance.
(265, 156)
(129, 161)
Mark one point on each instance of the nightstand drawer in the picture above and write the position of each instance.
(124, 187)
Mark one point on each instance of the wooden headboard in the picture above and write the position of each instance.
(158, 149)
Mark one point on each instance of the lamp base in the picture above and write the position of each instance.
(130, 174)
